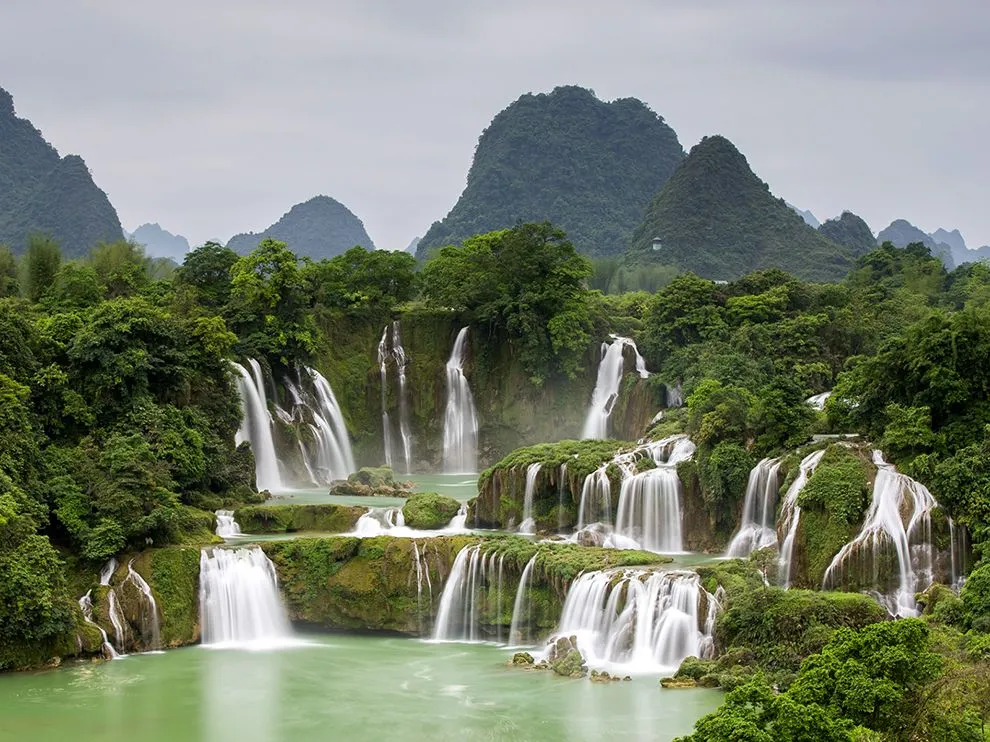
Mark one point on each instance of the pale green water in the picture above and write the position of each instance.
(459, 486)
(340, 688)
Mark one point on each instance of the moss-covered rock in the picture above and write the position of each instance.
(565, 659)
(81, 640)
(174, 580)
(371, 482)
(325, 518)
(429, 511)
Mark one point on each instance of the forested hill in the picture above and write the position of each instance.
(318, 228)
(850, 230)
(588, 166)
(717, 218)
(42, 192)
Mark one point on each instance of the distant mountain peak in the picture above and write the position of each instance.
(42, 192)
(850, 230)
(716, 217)
(320, 227)
(160, 243)
(810, 219)
(589, 166)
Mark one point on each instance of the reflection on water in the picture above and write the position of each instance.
(339, 688)
(241, 691)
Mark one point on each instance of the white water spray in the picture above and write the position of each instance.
(520, 607)
(390, 350)
(226, 525)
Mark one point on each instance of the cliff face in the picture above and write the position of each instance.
(43, 192)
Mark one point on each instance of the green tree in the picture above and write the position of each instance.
(39, 266)
(525, 284)
(10, 284)
(207, 270)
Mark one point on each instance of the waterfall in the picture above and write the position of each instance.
(226, 525)
(638, 621)
(818, 401)
(379, 521)
(422, 575)
(596, 498)
(528, 524)
(239, 604)
(561, 487)
(756, 529)
(675, 395)
(463, 596)
(460, 428)
(650, 511)
(114, 613)
(520, 607)
(895, 496)
(329, 456)
(610, 371)
(256, 426)
(790, 515)
(149, 608)
(390, 349)
(86, 606)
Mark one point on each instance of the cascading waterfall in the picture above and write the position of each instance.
(390, 349)
(650, 510)
(756, 529)
(329, 455)
(561, 487)
(379, 521)
(818, 400)
(596, 499)
(86, 606)
(116, 616)
(149, 608)
(638, 621)
(610, 371)
(528, 524)
(422, 576)
(226, 525)
(239, 601)
(790, 515)
(520, 607)
(460, 429)
(895, 496)
(256, 426)
(471, 575)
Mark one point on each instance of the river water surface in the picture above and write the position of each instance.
(337, 687)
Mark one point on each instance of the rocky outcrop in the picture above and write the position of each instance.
(324, 518)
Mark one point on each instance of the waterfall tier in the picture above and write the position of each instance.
(638, 621)
(790, 515)
(226, 525)
(256, 426)
(460, 428)
(898, 523)
(757, 528)
(239, 601)
(472, 577)
(391, 352)
(528, 524)
(610, 370)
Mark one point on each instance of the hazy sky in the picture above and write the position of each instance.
(213, 117)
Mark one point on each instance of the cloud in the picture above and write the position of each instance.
(214, 118)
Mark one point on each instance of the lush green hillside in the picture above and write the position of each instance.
(717, 218)
(42, 192)
(588, 166)
(851, 231)
(318, 228)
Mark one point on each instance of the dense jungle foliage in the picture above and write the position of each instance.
(119, 417)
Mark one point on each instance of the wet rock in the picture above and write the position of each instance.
(680, 682)
(566, 659)
(522, 658)
(371, 482)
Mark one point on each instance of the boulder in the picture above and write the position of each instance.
(566, 659)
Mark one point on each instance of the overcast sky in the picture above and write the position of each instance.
(213, 117)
